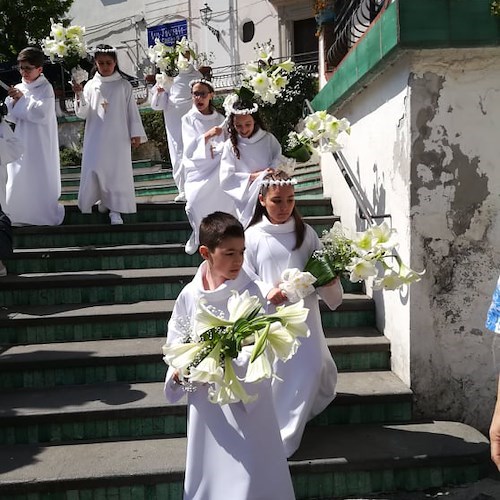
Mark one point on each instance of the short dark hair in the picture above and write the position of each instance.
(218, 226)
(32, 55)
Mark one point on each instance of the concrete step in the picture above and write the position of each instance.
(133, 409)
(137, 165)
(143, 174)
(332, 462)
(126, 234)
(25, 324)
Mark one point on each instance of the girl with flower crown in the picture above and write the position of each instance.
(113, 123)
(203, 139)
(175, 102)
(278, 239)
(249, 154)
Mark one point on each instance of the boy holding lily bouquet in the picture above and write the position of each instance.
(219, 350)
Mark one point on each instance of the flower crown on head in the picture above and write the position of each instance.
(95, 50)
(292, 181)
(206, 82)
(231, 100)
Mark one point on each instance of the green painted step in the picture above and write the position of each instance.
(51, 260)
(68, 323)
(94, 287)
(331, 462)
(72, 180)
(139, 360)
(90, 412)
(126, 234)
(148, 233)
(173, 212)
(167, 187)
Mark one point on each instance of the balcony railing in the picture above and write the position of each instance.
(353, 19)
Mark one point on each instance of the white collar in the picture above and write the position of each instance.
(267, 226)
(111, 78)
(254, 138)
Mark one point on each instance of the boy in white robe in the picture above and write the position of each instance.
(34, 180)
(175, 102)
(234, 450)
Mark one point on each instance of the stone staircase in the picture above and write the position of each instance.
(82, 413)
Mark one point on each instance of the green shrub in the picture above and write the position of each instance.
(70, 156)
(155, 132)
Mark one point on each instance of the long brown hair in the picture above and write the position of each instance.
(233, 134)
(260, 211)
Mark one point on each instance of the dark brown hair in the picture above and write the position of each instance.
(218, 226)
(32, 55)
(233, 134)
(300, 228)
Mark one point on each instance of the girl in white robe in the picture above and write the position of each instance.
(278, 239)
(234, 451)
(249, 154)
(113, 124)
(34, 180)
(175, 102)
(203, 140)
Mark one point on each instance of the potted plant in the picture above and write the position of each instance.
(324, 12)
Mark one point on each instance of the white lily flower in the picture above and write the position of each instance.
(287, 65)
(205, 320)
(75, 31)
(241, 305)
(208, 370)
(312, 125)
(361, 269)
(384, 236)
(260, 368)
(260, 82)
(57, 31)
(364, 241)
(164, 81)
(231, 390)
(181, 356)
(283, 341)
(182, 62)
(293, 318)
(409, 275)
(390, 281)
(297, 284)
(229, 102)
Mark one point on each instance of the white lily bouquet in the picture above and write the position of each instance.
(366, 254)
(264, 78)
(208, 353)
(67, 45)
(322, 130)
(170, 60)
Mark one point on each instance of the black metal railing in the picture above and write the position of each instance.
(353, 19)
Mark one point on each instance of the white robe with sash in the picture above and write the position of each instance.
(34, 180)
(175, 103)
(234, 451)
(258, 152)
(113, 118)
(308, 379)
(201, 161)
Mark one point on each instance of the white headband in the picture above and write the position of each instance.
(246, 111)
(279, 182)
(104, 51)
(208, 83)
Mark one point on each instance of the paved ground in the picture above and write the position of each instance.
(486, 489)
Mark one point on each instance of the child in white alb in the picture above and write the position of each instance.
(278, 239)
(113, 125)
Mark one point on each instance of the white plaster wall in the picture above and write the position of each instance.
(455, 101)
(378, 152)
(425, 147)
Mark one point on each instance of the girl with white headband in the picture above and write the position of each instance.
(249, 154)
(203, 139)
(175, 102)
(278, 239)
(113, 124)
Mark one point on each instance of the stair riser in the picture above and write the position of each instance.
(99, 293)
(151, 369)
(138, 177)
(146, 426)
(179, 235)
(73, 195)
(149, 325)
(52, 263)
(115, 328)
(322, 485)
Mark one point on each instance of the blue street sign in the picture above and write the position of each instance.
(168, 33)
